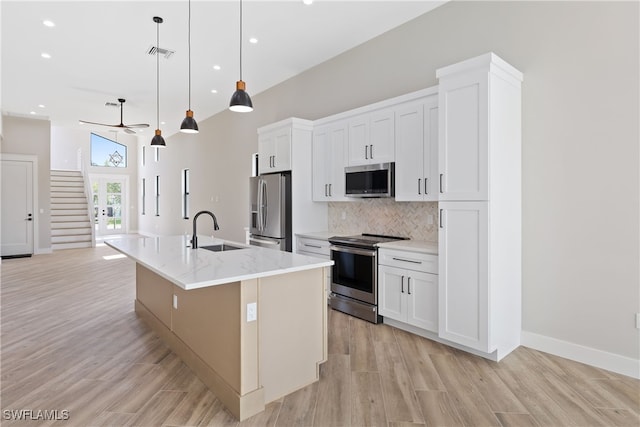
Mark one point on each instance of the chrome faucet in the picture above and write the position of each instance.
(194, 238)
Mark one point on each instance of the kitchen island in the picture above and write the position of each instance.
(250, 322)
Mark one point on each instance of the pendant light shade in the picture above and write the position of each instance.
(189, 124)
(158, 140)
(240, 100)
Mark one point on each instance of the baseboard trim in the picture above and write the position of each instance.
(579, 353)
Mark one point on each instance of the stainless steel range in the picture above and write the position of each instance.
(354, 285)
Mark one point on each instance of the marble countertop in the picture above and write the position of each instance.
(171, 258)
(419, 246)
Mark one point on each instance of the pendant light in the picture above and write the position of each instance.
(189, 124)
(240, 100)
(158, 140)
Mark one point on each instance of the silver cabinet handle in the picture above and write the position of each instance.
(419, 186)
(371, 151)
(425, 186)
(409, 285)
(406, 260)
(402, 284)
(441, 175)
(330, 195)
(366, 153)
(326, 194)
(313, 246)
(441, 218)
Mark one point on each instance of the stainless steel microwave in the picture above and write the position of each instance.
(370, 180)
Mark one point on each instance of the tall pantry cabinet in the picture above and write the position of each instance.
(479, 162)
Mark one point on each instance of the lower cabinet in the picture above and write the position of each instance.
(408, 288)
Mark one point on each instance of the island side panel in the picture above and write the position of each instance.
(154, 292)
(292, 315)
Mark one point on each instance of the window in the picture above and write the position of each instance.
(157, 195)
(156, 153)
(105, 152)
(144, 155)
(185, 193)
(144, 194)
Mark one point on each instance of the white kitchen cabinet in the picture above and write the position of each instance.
(479, 125)
(313, 247)
(274, 150)
(416, 144)
(372, 138)
(329, 146)
(408, 288)
(479, 234)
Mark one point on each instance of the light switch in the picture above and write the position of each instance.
(252, 311)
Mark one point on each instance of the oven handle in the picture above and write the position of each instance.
(351, 250)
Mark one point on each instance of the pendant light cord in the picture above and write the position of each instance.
(158, 74)
(241, 40)
(189, 54)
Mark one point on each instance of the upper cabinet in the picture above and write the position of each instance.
(372, 138)
(274, 150)
(329, 148)
(416, 142)
(477, 126)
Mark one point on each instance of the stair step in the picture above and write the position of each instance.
(64, 212)
(60, 172)
(70, 184)
(70, 224)
(71, 232)
(66, 206)
(71, 239)
(67, 179)
(67, 191)
(68, 218)
(68, 200)
(74, 245)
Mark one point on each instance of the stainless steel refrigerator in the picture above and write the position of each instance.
(270, 220)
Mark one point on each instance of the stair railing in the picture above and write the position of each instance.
(83, 164)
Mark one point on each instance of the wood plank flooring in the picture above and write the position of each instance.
(71, 341)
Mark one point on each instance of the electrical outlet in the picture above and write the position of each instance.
(175, 301)
(252, 312)
(638, 320)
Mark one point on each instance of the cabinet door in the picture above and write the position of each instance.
(391, 292)
(463, 272)
(422, 300)
(320, 158)
(336, 162)
(430, 166)
(463, 137)
(282, 143)
(266, 152)
(359, 140)
(410, 152)
(382, 136)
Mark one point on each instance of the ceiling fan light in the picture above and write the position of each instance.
(158, 140)
(189, 124)
(240, 100)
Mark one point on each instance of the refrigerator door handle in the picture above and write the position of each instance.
(260, 225)
(265, 204)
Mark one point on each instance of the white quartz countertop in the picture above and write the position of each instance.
(169, 257)
(319, 235)
(419, 246)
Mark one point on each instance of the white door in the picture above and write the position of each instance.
(17, 207)
(410, 152)
(109, 207)
(463, 256)
(391, 292)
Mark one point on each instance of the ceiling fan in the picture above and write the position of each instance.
(126, 128)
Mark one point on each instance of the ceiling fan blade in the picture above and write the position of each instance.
(138, 125)
(95, 123)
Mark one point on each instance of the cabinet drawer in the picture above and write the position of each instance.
(314, 246)
(426, 263)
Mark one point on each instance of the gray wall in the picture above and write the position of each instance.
(580, 146)
(29, 136)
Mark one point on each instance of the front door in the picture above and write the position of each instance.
(17, 207)
(109, 207)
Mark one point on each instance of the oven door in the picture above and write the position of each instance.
(355, 273)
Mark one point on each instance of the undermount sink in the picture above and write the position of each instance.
(221, 247)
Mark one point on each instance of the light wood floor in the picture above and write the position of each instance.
(71, 341)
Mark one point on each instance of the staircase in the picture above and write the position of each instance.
(70, 221)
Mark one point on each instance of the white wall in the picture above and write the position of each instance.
(65, 143)
(580, 147)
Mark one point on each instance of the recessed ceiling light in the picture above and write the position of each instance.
(214, 91)
(162, 123)
(48, 23)
(41, 105)
(253, 40)
(307, 2)
(32, 112)
(45, 55)
(80, 123)
(217, 67)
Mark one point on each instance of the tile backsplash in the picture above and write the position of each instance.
(385, 216)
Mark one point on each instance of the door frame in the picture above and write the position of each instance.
(36, 207)
(126, 199)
